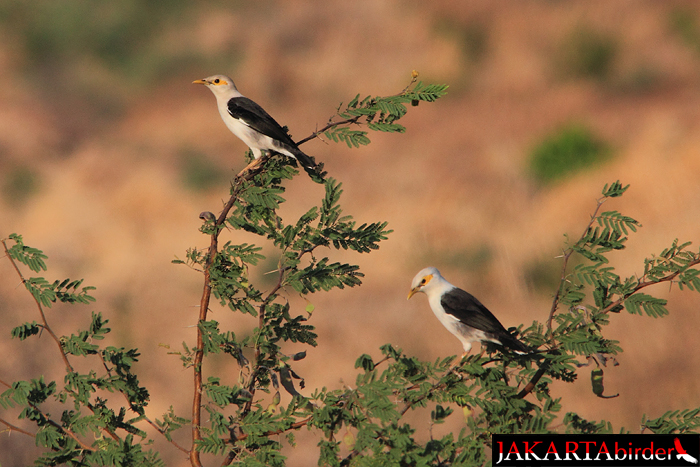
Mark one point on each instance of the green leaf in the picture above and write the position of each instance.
(365, 362)
(614, 190)
(674, 421)
(653, 307)
(31, 257)
(26, 330)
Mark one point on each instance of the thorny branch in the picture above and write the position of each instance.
(69, 367)
(48, 419)
(567, 255)
(64, 356)
(245, 175)
(527, 389)
(261, 324)
(11, 428)
(555, 302)
(352, 120)
(315, 134)
(236, 187)
(647, 283)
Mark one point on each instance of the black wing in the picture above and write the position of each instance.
(466, 308)
(255, 117)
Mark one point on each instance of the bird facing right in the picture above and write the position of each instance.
(462, 314)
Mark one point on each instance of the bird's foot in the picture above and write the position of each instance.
(457, 361)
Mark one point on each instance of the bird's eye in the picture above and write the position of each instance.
(216, 81)
(422, 282)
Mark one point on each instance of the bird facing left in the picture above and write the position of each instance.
(462, 314)
(253, 125)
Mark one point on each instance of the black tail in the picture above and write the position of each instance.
(307, 162)
(507, 340)
(314, 170)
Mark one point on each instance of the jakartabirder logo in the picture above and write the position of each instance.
(595, 450)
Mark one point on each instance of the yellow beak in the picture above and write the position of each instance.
(199, 81)
(413, 291)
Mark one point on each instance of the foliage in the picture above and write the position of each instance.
(85, 411)
(684, 23)
(19, 184)
(472, 38)
(565, 151)
(198, 173)
(588, 53)
(63, 33)
(378, 113)
(103, 409)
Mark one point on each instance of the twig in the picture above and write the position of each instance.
(528, 388)
(647, 283)
(69, 367)
(315, 134)
(261, 324)
(68, 433)
(353, 120)
(567, 256)
(162, 432)
(294, 426)
(16, 428)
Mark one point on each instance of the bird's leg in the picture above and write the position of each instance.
(250, 166)
(457, 361)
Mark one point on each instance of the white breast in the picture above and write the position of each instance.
(467, 335)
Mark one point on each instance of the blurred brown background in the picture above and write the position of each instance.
(108, 154)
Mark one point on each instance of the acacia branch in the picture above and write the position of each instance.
(63, 430)
(646, 283)
(69, 367)
(64, 356)
(567, 256)
(12, 428)
(355, 119)
(640, 285)
(407, 406)
(530, 386)
(237, 186)
(143, 415)
(294, 426)
(330, 125)
(48, 419)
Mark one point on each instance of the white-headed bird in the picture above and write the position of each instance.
(249, 122)
(462, 314)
